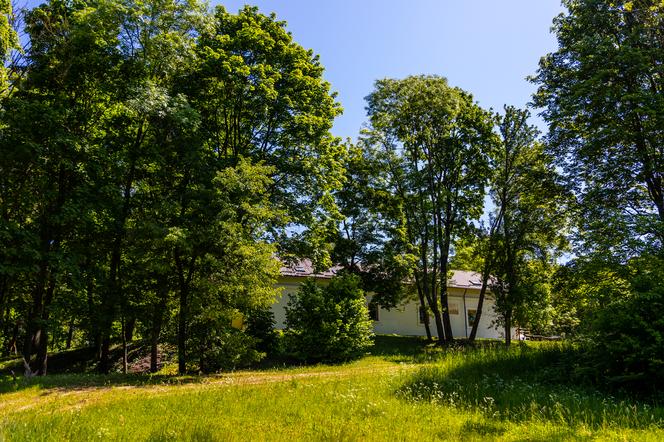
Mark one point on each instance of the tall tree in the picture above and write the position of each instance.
(8, 41)
(601, 92)
(155, 41)
(156, 151)
(261, 98)
(528, 223)
(434, 141)
(371, 241)
(59, 106)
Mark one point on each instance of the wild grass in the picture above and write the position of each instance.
(394, 393)
(527, 383)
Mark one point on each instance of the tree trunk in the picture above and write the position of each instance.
(124, 346)
(439, 325)
(111, 295)
(183, 317)
(130, 326)
(4, 304)
(446, 242)
(157, 321)
(423, 306)
(447, 323)
(37, 333)
(432, 301)
(42, 354)
(92, 323)
(154, 342)
(42, 347)
(70, 335)
(182, 332)
(480, 303)
(104, 356)
(508, 328)
(33, 331)
(12, 348)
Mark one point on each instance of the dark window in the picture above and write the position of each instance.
(424, 315)
(472, 314)
(373, 311)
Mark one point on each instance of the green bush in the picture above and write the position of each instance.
(260, 325)
(217, 346)
(624, 341)
(328, 323)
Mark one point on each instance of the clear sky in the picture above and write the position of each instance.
(486, 47)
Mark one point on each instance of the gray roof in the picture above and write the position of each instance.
(465, 279)
(304, 268)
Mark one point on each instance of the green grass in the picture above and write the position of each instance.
(403, 390)
(526, 384)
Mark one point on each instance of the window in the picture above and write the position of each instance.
(453, 308)
(472, 314)
(423, 315)
(373, 311)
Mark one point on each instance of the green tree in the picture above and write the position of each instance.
(601, 92)
(262, 96)
(529, 220)
(157, 158)
(58, 109)
(155, 41)
(8, 41)
(370, 241)
(427, 134)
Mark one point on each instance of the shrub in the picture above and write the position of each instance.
(329, 323)
(260, 325)
(624, 341)
(217, 346)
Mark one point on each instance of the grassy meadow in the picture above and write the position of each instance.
(404, 390)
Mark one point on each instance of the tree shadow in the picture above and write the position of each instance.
(76, 369)
(419, 350)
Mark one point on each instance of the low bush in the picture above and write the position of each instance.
(624, 341)
(217, 346)
(328, 323)
(260, 325)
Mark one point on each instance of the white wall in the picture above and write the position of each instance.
(405, 319)
(278, 307)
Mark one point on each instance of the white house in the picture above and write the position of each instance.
(463, 289)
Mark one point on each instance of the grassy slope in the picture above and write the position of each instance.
(402, 392)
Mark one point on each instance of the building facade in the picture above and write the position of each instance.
(408, 319)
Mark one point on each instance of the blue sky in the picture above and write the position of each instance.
(486, 47)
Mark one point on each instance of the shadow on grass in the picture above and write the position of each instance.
(78, 381)
(417, 350)
(76, 369)
(392, 348)
(527, 383)
(401, 348)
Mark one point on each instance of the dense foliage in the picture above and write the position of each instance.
(328, 322)
(601, 92)
(156, 157)
(433, 143)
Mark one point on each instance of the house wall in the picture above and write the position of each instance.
(405, 320)
(288, 287)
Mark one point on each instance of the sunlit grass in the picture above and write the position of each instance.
(527, 383)
(403, 391)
